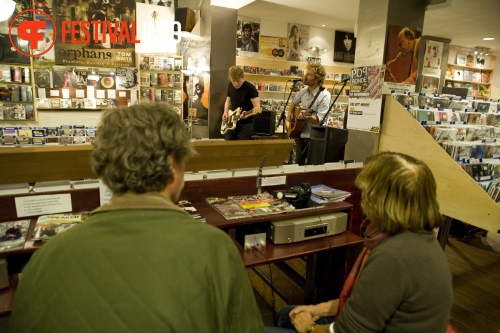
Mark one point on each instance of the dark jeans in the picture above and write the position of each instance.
(300, 150)
(284, 325)
(243, 131)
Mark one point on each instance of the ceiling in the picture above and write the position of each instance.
(465, 22)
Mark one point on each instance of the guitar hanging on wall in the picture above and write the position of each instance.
(234, 116)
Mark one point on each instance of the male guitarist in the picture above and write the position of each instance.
(308, 107)
(240, 94)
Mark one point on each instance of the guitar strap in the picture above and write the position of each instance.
(243, 96)
(315, 97)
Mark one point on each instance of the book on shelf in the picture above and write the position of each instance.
(144, 62)
(5, 74)
(162, 79)
(48, 226)
(191, 210)
(236, 207)
(153, 79)
(13, 235)
(467, 74)
(458, 75)
(485, 77)
(322, 194)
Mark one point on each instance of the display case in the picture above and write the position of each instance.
(465, 69)
(16, 92)
(161, 79)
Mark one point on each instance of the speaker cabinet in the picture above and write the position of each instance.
(186, 17)
(264, 123)
(327, 144)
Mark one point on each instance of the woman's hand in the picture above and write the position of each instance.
(302, 321)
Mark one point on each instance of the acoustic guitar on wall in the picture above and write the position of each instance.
(234, 116)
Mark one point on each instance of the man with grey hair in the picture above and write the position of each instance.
(139, 263)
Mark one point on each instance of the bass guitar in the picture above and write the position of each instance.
(234, 116)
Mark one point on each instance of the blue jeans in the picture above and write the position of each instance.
(243, 131)
(283, 323)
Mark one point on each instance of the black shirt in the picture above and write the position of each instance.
(242, 98)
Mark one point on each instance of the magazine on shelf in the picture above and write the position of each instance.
(235, 207)
(48, 226)
(13, 235)
(322, 194)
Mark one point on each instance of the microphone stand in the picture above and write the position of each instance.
(282, 118)
(306, 149)
(333, 103)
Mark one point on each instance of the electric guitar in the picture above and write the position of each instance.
(234, 116)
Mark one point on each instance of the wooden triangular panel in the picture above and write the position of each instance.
(459, 195)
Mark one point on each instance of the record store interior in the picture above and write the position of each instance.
(249, 165)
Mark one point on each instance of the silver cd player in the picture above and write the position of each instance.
(308, 227)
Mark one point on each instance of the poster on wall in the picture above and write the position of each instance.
(401, 59)
(9, 54)
(155, 29)
(298, 42)
(432, 58)
(247, 37)
(273, 47)
(106, 44)
(196, 59)
(365, 98)
(344, 46)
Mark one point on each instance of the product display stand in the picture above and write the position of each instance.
(459, 195)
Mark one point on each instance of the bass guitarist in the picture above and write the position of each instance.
(240, 94)
(316, 100)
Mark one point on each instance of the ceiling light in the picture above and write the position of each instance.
(322, 25)
(489, 38)
(8, 8)
(234, 4)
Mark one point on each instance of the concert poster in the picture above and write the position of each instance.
(398, 60)
(196, 89)
(432, 58)
(101, 50)
(365, 98)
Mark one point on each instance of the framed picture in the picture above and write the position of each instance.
(461, 59)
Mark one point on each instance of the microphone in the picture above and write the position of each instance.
(296, 80)
(347, 78)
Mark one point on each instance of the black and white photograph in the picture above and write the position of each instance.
(344, 46)
(247, 36)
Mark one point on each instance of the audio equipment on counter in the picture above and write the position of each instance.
(305, 228)
(297, 196)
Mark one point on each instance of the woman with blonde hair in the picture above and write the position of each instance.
(401, 282)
